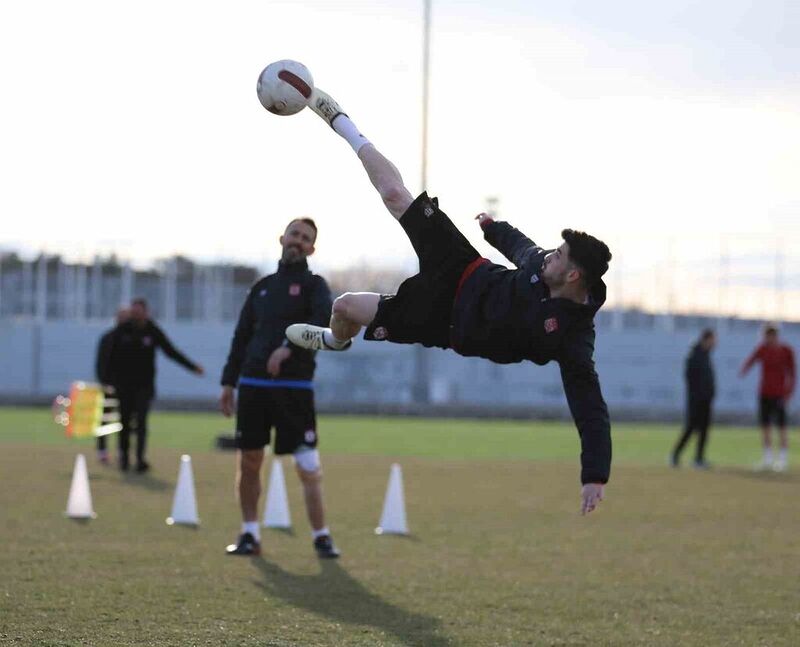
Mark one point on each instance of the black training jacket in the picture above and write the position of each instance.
(132, 359)
(102, 363)
(699, 374)
(292, 295)
(508, 316)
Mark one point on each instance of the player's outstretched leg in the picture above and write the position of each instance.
(382, 173)
(351, 311)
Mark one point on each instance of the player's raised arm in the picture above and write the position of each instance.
(509, 241)
(589, 410)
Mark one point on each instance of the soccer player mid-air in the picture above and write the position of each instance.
(541, 311)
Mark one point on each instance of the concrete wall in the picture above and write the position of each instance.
(641, 371)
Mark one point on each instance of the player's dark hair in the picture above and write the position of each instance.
(589, 254)
(707, 334)
(308, 221)
(139, 301)
(770, 329)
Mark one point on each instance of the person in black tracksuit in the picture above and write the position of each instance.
(541, 311)
(102, 370)
(699, 374)
(274, 382)
(132, 368)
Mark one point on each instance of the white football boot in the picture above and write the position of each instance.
(312, 337)
(325, 106)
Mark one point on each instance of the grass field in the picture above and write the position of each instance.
(498, 554)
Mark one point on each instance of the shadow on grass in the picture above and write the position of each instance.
(145, 481)
(766, 476)
(335, 594)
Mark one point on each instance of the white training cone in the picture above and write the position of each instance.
(276, 508)
(79, 503)
(393, 519)
(184, 505)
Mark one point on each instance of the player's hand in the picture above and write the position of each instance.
(484, 219)
(591, 496)
(227, 401)
(199, 370)
(278, 357)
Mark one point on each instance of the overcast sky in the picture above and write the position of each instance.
(135, 128)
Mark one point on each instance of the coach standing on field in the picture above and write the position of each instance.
(699, 396)
(274, 384)
(132, 367)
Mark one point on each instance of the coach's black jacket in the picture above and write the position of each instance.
(699, 374)
(508, 316)
(132, 360)
(293, 294)
(102, 362)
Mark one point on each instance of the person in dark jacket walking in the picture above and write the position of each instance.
(274, 380)
(541, 311)
(699, 374)
(102, 370)
(133, 374)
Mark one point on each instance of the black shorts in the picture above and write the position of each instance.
(290, 411)
(421, 310)
(772, 410)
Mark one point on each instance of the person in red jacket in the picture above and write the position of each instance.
(777, 385)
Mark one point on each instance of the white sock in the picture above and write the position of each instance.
(347, 129)
(332, 340)
(253, 528)
(321, 532)
(768, 454)
(783, 455)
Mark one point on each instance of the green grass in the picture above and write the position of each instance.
(641, 444)
(498, 555)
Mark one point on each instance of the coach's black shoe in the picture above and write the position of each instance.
(325, 547)
(142, 467)
(246, 545)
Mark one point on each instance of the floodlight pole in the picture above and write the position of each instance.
(420, 388)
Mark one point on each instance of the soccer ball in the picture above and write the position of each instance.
(284, 87)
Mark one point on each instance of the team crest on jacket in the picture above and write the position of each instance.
(380, 333)
(294, 290)
(550, 325)
(147, 341)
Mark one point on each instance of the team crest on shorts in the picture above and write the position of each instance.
(550, 325)
(428, 211)
(294, 290)
(380, 333)
(310, 436)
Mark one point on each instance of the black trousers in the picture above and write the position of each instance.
(698, 419)
(134, 405)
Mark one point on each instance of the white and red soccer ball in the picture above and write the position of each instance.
(284, 87)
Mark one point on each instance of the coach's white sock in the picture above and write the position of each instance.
(321, 532)
(347, 129)
(783, 455)
(331, 340)
(767, 455)
(253, 528)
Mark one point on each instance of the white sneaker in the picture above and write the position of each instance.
(762, 465)
(780, 465)
(325, 106)
(312, 337)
